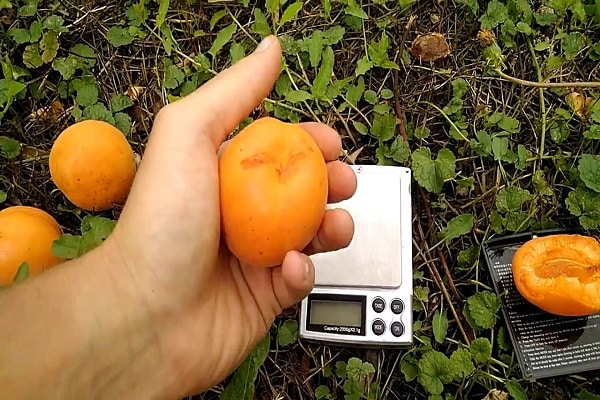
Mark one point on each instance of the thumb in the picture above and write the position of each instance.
(294, 280)
(219, 105)
(188, 132)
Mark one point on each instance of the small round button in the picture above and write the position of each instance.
(397, 306)
(378, 304)
(378, 327)
(397, 329)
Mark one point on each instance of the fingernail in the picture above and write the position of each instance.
(266, 42)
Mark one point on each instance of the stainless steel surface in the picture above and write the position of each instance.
(374, 256)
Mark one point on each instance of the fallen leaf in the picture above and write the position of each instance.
(352, 157)
(50, 113)
(576, 102)
(495, 394)
(135, 91)
(430, 47)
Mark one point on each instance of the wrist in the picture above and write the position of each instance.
(79, 331)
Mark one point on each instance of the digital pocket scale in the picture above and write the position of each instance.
(363, 293)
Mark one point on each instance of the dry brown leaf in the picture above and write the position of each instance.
(135, 91)
(577, 103)
(352, 157)
(495, 394)
(486, 37)
(430, 47)
(50, 113)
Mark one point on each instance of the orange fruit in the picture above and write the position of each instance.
(559, 274)
(93, 165)
(26, 235)
(273, 191)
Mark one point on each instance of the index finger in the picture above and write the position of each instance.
(327, 139)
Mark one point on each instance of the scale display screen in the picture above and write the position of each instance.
(339, 314)
(329, 312)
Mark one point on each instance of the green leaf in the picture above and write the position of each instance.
(87, 94)
(512, 198)
(19, 35)
(118, 36)
(123, 122)
(323, 78)
(434, 372)
(94, 231)
(352, 8)
(3, 196)
(67, 246)
(440, 326)
(461, 363)
(515, 389)
(222, 38)
(236, 52)
(431, 174)
(10, 148)
(49, 46)
(297, 96)
(363, 66)
(409, 368)
(589, 171)
(584, 203)
(458, 226)
(291, 12)
(22, 273)
(287, 332)
(495, 14)
(585, 394)
(32, 56)
(173, 77)
(241, 385)
(120, 102)
(482, 308)
(481, 349)
(163, 8)
(384, 127)
(66, 66)
(593, 132)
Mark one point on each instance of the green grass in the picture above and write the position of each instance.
(496, 140)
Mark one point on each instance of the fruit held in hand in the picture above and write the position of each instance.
(93, 165)
(26, 235)
(560, 274)
(273, 191)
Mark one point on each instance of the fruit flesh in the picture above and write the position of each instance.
(273, 189)
(560, 274)
(26, 235)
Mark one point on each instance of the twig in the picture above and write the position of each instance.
(433, 271)
(438, 280)
(546, 84)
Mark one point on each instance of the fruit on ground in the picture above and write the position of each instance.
(560, 274)
(93, 165)
(273, 191)
(26, 235)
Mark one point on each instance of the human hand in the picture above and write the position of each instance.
(209, 310)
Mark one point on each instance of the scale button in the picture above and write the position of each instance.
(397, 306)
(378, 304)
(378, 327)
(397, 329)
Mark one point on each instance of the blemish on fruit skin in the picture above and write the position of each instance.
(256, 160)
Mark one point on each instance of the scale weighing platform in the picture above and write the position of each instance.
(363, 293)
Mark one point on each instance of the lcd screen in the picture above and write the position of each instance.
(340, 313)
